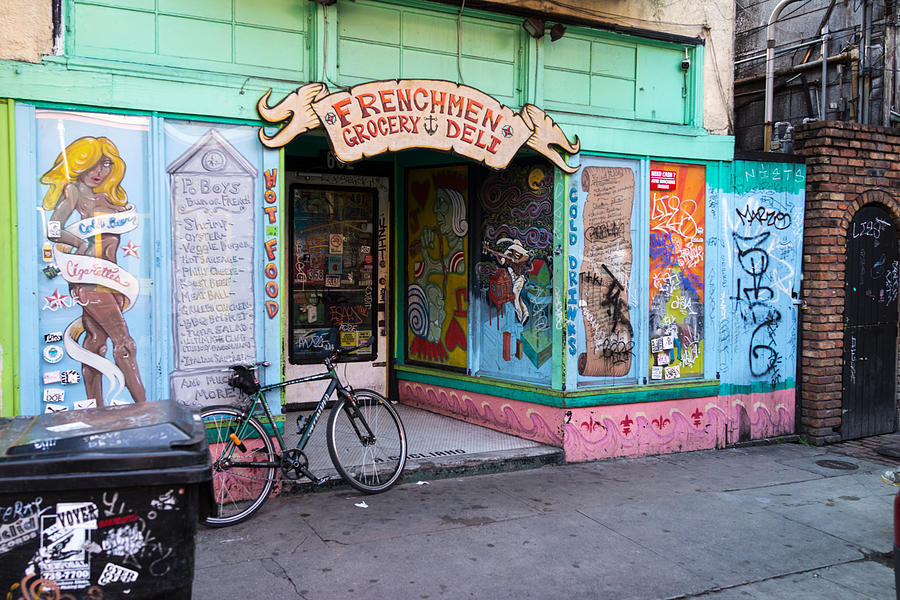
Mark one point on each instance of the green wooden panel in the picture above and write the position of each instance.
(418, 63)
(567, 86)
(9, 346)
(660, 85)
(368, 61)
(190, 38)
(568, 53)
(614, 94)
(498, 41)
(113, 28)
(494, 78)
(430, 32)
(142, 4)
(281, 14)
(613, 59)
(209, 9)
(366, 22)
(268, 48)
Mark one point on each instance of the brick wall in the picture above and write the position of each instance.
(848, 165)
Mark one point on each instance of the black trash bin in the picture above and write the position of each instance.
(102, 503)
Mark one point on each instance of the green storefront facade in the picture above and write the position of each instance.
(628, 293)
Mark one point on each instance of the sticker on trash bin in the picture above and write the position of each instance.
(68, 426)
(65, 537)
(52, 377)
(19, 523)
(116, 574)
(55, 408)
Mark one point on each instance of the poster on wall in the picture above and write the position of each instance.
(605, 273)
(214, 173)
(601, 304)
(436, 266)
(514, 274)
(94, 320)
(677, 260)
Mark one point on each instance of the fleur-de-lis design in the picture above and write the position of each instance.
(697, 416)
(626, 424)
(661, 422)
(591, 425)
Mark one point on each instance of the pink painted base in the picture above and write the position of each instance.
(625, 430)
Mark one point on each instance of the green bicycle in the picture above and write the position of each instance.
(365, 438)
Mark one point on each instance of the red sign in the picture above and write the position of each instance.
(662, 180)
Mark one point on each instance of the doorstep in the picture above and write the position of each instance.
(438, 447)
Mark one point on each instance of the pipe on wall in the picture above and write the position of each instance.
(770, 69)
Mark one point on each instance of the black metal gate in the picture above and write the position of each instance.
(870, 325)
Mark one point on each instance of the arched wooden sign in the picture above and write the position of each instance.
(388, 116)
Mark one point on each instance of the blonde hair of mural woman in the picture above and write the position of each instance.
(86, 178)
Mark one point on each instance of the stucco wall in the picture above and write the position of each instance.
(26, 29)
(711, 20)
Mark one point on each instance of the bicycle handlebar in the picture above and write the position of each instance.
(333, 356)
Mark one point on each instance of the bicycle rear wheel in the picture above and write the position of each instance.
(366, 441)
(238, 491)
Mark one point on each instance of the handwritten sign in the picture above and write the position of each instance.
(383, 116)
(213, 217)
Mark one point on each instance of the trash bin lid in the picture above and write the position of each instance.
(151, 437)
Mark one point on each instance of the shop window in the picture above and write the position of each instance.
(677, 259)
(437, 274)
(512, 282)
(333, 271)
(601, 305)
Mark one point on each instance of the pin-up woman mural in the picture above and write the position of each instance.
(86, 179)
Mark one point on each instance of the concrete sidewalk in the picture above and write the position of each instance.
(781, 521)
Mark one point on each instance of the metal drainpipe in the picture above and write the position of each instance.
(770, 70)
(862, 112)
(824, 71)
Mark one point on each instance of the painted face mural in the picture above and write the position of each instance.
(86, 214)
(514, 274)
(436, 293)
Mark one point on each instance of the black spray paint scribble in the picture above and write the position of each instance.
(754, 300)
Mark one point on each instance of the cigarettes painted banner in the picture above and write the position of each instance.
(382, 116)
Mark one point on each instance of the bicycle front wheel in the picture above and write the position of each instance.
(366, 441)
(238, 490)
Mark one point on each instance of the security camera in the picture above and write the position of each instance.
(685, 64)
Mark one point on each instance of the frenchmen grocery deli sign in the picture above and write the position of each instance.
(387, 116)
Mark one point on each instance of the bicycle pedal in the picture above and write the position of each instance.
(308, 474)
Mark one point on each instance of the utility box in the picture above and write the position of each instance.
(102, 503)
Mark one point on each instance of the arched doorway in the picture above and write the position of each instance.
(870, 325)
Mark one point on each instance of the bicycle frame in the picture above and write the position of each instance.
(259, 398)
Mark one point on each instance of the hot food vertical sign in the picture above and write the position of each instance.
(384, 116)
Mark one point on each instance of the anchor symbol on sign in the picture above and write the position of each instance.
(430, 125)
